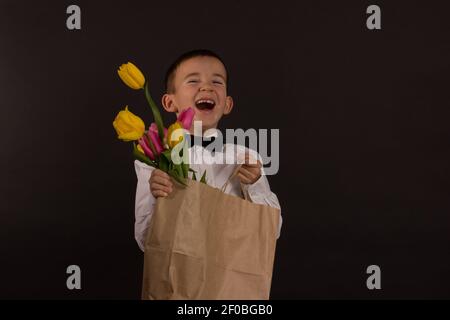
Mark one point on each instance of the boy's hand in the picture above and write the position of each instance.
(160, 184)
(250, 171)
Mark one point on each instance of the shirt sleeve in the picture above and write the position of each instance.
(144, 203)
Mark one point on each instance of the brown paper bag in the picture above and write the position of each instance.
(205, 244)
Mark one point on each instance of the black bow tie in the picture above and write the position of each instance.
(201, 141)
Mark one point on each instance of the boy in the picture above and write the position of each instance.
(199, 79)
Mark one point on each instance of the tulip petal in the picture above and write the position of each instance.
(140, 149)
(138, 155)
(129, 81)
(148, 152)
(128, 126)
(154, 127)
(186, 117)
(175, 134)
(156, 141)
(129, 136)
(136, 74)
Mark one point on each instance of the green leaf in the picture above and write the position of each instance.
(194, 177)
(155, 111)
(179, 170)
(142, 157)
(164, 164)
(174, 175)
(203, 178)
(167, 154)
(185, 168)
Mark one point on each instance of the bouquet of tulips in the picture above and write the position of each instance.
(156, 145)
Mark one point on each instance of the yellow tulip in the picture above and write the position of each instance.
(140, 149)
(131, 75)
(175, 134)
(129, 127)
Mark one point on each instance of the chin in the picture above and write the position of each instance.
(206, 124)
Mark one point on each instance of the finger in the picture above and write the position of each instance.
(159, 193)
(251, 161)
(249, 173)
(160, 173)
(161, 180)
(252, 164)
(243, 178)
(156, 186)
(245, 172)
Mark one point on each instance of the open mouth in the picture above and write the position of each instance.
(205, 104)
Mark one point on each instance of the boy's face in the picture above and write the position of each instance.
(200, 83)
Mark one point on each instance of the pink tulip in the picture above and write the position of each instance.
(154, 128)
(154, 137)
(186, 117)
(148, 152)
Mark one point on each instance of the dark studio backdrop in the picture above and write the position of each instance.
(363, 118)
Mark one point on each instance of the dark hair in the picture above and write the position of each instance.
(170, 74)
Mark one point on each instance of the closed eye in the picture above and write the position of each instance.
(192, 81)
(218, 82)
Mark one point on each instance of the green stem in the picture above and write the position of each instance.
(177, 178)
(155, 111)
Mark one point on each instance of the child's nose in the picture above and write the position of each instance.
(206, 87)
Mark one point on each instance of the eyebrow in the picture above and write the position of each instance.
(197, 74)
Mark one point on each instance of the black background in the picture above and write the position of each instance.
(363, 118)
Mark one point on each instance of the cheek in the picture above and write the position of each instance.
(222, 95)
(185, 97)
(224, 101)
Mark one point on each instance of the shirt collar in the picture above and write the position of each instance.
(213, 132)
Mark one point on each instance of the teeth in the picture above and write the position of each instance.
(205, 101)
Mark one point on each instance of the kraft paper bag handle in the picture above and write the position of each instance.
(235, 172)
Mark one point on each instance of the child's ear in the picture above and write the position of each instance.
(228, 105)
(168, 103)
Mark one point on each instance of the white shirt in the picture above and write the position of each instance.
(216, 176)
